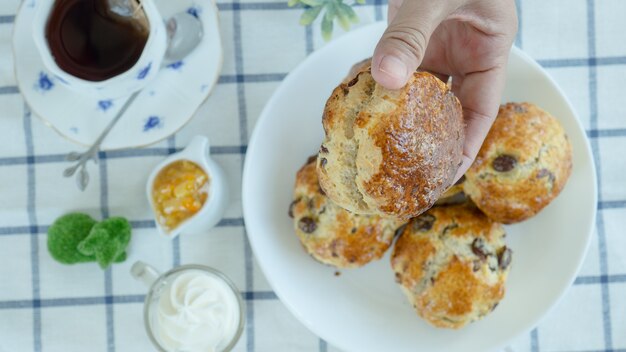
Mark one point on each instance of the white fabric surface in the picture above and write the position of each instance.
(48, 307)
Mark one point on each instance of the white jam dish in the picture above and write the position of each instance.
(193, 203)
(191, 308)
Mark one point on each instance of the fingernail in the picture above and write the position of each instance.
(393, 66)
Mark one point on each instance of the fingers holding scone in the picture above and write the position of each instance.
(390, 152)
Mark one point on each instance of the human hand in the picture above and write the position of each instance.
(468, 40)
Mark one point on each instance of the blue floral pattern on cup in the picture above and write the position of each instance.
(194, 11)
(176, 65)
(151, 123)
(104, 105)
(144, 72)
(44, 83)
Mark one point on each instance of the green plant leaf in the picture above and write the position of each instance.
(292, 3)
(344, 22)
(313, 3)
(309, 15)
(360, 2)
(343, 16)
(331, 9)
(327, 24)
(349, 12)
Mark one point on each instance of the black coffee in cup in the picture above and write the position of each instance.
(89, 41)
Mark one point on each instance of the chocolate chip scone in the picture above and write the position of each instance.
(452, 264)
(331, 234)
(454, 194)
(360, 66)
(390, 152)
(522, 166)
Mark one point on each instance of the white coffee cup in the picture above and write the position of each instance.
(124, 84)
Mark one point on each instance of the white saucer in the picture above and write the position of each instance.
(161, 109)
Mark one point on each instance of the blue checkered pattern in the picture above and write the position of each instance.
(48, 307)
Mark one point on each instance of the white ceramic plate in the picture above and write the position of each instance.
(363, 309)
(162, 108)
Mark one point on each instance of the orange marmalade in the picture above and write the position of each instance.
(178, 192)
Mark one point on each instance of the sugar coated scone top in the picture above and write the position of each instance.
(331, 234)
(452, 264)
(522, 166)
(390, 152)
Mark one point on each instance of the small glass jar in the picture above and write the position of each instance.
(159, 283)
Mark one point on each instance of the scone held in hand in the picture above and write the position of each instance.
(331, 234)
(390, 152)
(452, 264)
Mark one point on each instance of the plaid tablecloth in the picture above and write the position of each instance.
(48, 307)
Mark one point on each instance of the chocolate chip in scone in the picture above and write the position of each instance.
(353, 81)
(291, 206)
(449, 228)
(321, 190)
(311, 159)
(423, 223)
(353, 230)
(398, 277)
(477, 264)
(323, 149)
(546, 173)
(478, 248)
(543, 173)
(504, 258)
(323, 162)
(519, 108)
(504, 163)
(307, 225)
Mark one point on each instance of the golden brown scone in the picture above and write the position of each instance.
(360, 66)
(390, 152)
(522, 166)
(454, 194)
(452, 264)
(331, 234)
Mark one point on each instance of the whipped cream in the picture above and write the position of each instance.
(196, 312)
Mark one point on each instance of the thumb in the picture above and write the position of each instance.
(402, 47)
